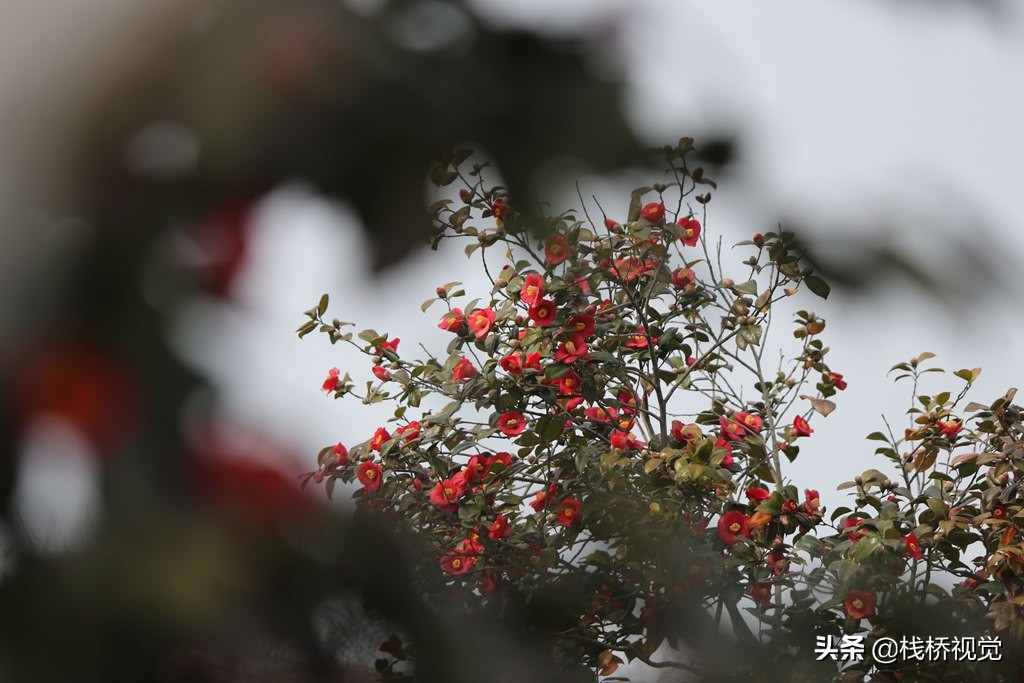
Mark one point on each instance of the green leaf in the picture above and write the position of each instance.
(968, 375)
(321, 307)
(748, 287)
(818, 286)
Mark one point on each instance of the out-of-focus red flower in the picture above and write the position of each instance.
(389, 345)
(761, 593)
(341, 453)
(83, 383)
(801, 427)
(392, 646)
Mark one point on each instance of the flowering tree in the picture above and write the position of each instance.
(605, 442)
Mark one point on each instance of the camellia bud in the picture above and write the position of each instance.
(501, 282)
(727, 282)
(759, 239)
(442, 293)
(465, 195)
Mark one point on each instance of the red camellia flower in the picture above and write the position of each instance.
(332, 381)
(732, 525)
(913, 546)
(447, 493)
(512, 423)
(731, 431)
(380, 437)
(683, 277)
(391, 346)
(512, 363)
(800, 427)
(556, 249)
(690, 231)
(499, 529)
(543, 312)
(480, 321)
(600, 414)
(460, 560)
(572, 350)
(582, 324)
(629, 269)
(463, 370)
(533, 289)
(638, 340)
(653, 212)
(341, 453)
(625, 440)
(748, 420)
(409, 432)
(568, 511)
(853, 530)
(380, 372)
(541, 500)
(837, 380)
(569, 383)
(859, 604)
(369, 475)
(812, 503)
(790, 505)
(453, 320)
(951, 428)
(756, 495)
(761, 593)
(499, 209)
(503, 459)
(627, 401)
(685, 433)
(532, 362)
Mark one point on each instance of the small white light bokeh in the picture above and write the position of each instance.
(57, 500)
